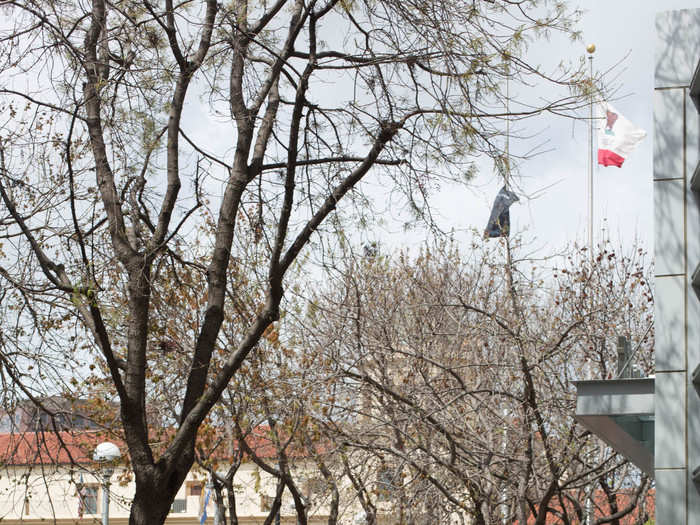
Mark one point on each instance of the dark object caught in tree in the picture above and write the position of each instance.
(499, 221)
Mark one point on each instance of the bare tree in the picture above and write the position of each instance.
(114, 195)
(462, 368)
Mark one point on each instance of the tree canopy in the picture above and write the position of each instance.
(453, 373)
(168, 161)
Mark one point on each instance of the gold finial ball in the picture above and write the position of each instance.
(590, 48)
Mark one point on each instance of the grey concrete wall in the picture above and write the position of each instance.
(677, 252)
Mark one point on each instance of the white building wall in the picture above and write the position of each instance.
(48, 493)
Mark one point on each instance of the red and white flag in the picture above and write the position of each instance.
(617, 137)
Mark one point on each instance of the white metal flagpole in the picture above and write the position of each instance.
(591, 165)
(591, 160)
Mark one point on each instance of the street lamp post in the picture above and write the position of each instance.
(106, 454)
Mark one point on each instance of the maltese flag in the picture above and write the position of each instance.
(617, 137)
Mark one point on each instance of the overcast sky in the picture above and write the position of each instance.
(623, 196)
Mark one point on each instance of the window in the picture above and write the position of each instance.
(87, 499)
(266, 502)
(315, 488)
(194, 488)
(386, 484)
(43, 421)
(178, 506)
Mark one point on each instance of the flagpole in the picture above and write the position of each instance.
(507, 160)
(591, 161)
(590, 48)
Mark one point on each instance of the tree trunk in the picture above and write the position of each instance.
(150, 506)
(156, 490)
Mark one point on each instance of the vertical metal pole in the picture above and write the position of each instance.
(504, 493)
(105, 497)
(591, 160)
(591, 163)
(507, 160)
(590, 489)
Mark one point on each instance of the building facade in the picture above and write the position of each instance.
(51, 478)
(677, 255)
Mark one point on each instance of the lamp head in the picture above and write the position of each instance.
(590, 48)
(106, 452)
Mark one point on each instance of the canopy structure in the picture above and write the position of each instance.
(621, 413)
